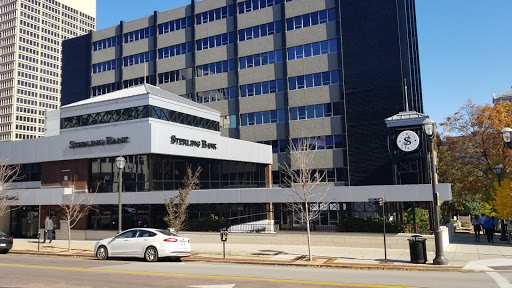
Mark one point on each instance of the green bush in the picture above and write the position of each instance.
(422, 221)
(206, 224)
(368, 224)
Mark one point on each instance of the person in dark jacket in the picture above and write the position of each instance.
(48, 229)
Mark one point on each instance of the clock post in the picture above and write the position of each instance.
(412, 159)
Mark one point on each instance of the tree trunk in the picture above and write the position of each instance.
(308, 229)
(69, 236)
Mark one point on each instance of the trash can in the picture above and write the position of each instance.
(418, 249)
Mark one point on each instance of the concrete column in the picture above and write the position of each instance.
(4, 222)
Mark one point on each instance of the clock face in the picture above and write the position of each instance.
(407, 140)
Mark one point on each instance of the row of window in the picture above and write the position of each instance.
(314, 80)
(215, 14)
(259, 31)
(311, 19)
(261, 59)
(139, 34)
(313, 49)
(139, 58)
(262, 117)
(253, 5)
(215, 68)
(316, 111)
(328, 142)
(278, 116)
(105, 66)
(177, 75)
(216, 95)
(215, 41)
(175, 25)
(265, 87)
(106, 43)
(140, 112)
(175, 50)
(331, 175)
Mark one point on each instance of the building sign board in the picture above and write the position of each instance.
(193, 143)
(99, 142)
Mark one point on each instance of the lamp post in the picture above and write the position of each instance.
(506, 135)
(498, 169)
(120, 161)
(429, 127)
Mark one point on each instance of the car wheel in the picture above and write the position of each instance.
(4, 251)
(102, 253)
(151, 254)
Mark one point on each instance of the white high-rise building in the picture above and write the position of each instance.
(31, 32)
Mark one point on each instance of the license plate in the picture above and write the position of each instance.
(3, 245)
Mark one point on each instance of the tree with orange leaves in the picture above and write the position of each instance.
(473, 139)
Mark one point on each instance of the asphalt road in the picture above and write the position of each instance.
(34, 271)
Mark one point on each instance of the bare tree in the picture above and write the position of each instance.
(307, 199)
(77, 206)
(177, 205)
(8, 175)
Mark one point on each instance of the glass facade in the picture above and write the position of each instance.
(139, 112)
(164, 173)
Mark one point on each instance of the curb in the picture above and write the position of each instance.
(357, 266)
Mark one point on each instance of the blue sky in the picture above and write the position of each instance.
(465, 47)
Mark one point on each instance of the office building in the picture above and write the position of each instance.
(30, 62)
(277, 70)
(159, 134)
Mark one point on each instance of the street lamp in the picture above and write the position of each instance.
(120, 161)
(506, 135)
(429, 127)
(498, 169)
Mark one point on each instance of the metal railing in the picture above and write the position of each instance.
(254, 228)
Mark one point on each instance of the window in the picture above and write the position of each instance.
(261, 59)
(262, 117)
(314, 80)
(215, 68)
(311, 19)
(260, 88)
(139, 34)
(259, 31)
(175, 25)
(215, 41)
(216, 14)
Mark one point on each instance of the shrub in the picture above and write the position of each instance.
(368, 224)
(206, 224)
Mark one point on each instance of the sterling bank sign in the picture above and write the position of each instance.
(99, 142)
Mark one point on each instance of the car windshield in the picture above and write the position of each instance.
(2, 234)
(167, 232)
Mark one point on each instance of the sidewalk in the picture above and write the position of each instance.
(463, 254)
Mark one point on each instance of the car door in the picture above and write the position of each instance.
(122, 244)
(142, 241)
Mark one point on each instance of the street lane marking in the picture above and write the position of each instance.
(207, 276)
(499, 279)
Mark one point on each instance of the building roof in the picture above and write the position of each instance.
(140, 90)
(507, 96)
(406, 118)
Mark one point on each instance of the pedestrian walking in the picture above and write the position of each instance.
(48, 229)
(482, 222)
(476, 227)
(489, 228)
(493, 228)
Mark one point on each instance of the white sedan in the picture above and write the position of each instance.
(146, 243)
